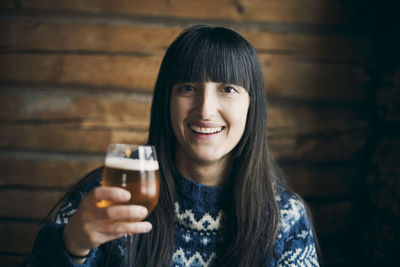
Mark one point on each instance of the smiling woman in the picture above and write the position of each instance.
(208, 120)
(222, 200)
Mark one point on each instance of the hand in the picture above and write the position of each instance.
(92, 226)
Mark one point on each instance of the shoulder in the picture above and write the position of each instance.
(295, 244)
(292, 210)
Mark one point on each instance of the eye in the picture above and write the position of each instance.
(229, 89)
(187, 88)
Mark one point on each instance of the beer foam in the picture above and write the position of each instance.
(131, 164)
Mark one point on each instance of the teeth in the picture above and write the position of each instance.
(203, 130)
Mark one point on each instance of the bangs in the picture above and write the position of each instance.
(213, 54)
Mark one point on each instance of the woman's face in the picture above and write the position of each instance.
(208, 119)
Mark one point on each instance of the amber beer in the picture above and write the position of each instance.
(139, 177)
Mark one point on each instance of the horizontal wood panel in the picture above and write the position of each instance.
(97, 70)
(285, 76)
(336, 146)
(99, 109)
(327, 181)
(96, 121)
(47, 172)
(316, 146)
(296, 133)
(35, 204)
(112, 109)
(42, 172)
(18, 237)
(302, 79)
(383, 177)
(7, 4)
(304, 11)
(388, 96)
(11, 260)
(333, 218)
(74, 36)
(66, 137)
(23, 35)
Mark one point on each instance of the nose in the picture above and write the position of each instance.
(208, 103)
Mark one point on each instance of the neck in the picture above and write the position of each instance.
(214, 173)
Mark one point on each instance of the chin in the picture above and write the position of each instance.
(207, 158)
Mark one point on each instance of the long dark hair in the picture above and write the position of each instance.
(203, 53)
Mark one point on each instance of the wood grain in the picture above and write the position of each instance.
(20, 236)
(120, 39)
(388, 96)
(285, 76)
(293, 11)
(52, 105)
(66, 137)
(45, 171)
(27, 204)
(11, 260)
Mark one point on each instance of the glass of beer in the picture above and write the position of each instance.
(134, 168)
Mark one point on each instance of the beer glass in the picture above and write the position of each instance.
(134, 168)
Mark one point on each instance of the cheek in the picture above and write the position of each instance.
(177, 114)
(240, 116)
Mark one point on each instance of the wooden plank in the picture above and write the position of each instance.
(127, 109)
(96, 70)
(6, 4)
(322, 181)
(66, 137)
(18, 237)
(318, 142)
(11, 260)
(388, 96)
(383, 177)
(343, 145)
(292, 130)
(296, 133)
(338, 48)
(302, 79)
(332, 218)
(294, 11)
(119, 109)
(34, 204)
(24, 35)
(286, 76)
(42, 171)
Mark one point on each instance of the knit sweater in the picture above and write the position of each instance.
(197, 224)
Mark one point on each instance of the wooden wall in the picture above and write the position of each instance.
(382, 209)
(77, 75)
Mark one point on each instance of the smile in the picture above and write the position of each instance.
(206, 130)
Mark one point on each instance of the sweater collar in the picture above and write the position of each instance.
(197, 193)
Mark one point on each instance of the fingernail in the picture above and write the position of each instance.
(126, 194)
(148, 227)
(143, 212)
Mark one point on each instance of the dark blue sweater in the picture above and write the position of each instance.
(198, 217)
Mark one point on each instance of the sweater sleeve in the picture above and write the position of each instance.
(295, 245)
(48, 249)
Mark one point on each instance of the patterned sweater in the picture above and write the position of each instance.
(198, 218)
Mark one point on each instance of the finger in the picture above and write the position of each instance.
(120, 228)
(113, 194)
(125, 212)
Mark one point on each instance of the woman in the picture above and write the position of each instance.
(222, 202)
